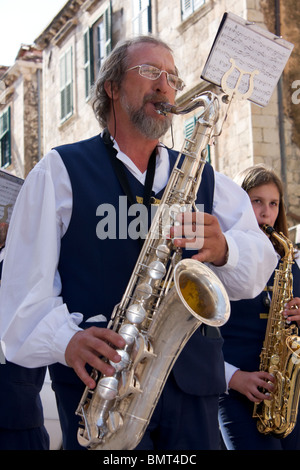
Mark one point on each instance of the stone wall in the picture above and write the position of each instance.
(22, 93)
(33, 149)
(285, 21)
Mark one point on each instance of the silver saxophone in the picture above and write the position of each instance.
(166, 300)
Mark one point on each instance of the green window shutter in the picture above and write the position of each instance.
(186, 8)
(189, 126)
(189, 6)
(5, 138)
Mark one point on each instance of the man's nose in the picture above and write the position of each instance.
(162, 83)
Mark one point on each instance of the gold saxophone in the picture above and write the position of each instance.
(166, 300)
(280, 355)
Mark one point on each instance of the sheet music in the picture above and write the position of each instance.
(10, 186)
(251, 48)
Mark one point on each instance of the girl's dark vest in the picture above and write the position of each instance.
(245, 330)
(95, 272)
(21, 406)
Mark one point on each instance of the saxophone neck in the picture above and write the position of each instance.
(208, 100)
(283, 241)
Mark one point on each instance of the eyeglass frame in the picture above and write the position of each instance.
(161, 71)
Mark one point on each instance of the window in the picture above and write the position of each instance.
(88, 62)
(102, 39)
(189, 127)
(66, 85)
(97, 46)
(5, 139)
(141, 22)
(189, 6)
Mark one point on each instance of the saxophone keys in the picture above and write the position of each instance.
(136, 313)
(279, 421)
(144, 350)
(143, 291)
(156, 270)
(129, 384)
(123, 363)
(275, 359)
(107, 388)
(175, 210)
(162, 251)
(129, 333)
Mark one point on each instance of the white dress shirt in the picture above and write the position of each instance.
(35, 324)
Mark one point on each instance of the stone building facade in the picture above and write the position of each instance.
(21, 124)
(84, 31)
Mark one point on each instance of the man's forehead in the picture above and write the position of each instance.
(144, 52)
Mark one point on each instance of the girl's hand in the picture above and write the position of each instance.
(251, 384)
(292, 310)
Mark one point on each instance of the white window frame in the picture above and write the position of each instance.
(66, 85)
(188, 7)
(141, 17)
(88, 62)
(101, 46)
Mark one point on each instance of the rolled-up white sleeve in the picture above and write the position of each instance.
(35, 324)
(229, 371)
(252, 258)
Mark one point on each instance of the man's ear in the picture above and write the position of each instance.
(111, 89)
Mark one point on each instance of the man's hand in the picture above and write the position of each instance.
(86, 346)
(201, 231)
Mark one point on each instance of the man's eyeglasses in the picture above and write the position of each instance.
(153, 73)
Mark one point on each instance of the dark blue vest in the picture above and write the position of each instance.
(95, 273)
(245, 330)
(21, 406)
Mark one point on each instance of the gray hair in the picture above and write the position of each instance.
(113, 70)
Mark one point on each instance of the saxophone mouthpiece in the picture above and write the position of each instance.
(165, 108)
(268, 229)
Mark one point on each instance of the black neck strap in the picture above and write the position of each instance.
(121, 174)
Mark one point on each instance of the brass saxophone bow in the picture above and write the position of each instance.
(280, 355)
